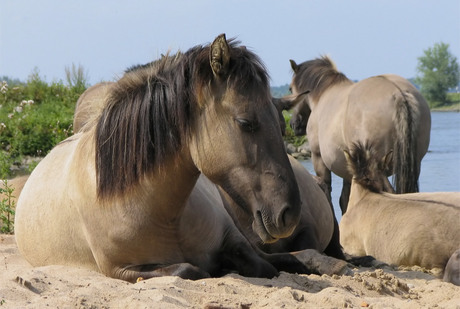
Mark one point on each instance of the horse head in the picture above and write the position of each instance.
(235, 139)
(369, 170)
(298, 102)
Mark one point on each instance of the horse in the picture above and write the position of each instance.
(317, 228)
(386, 109)
(317, 220)
(121, 185)
(400, 229)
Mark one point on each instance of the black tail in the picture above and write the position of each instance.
(406, 168)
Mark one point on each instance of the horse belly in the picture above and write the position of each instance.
(48, 228)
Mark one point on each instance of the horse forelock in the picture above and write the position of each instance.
(317, 75)
(148, 112)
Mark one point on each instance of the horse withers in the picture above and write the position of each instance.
(121, 186)
(401, 229)
(336, 113)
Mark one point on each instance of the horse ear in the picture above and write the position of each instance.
(388, 161)
(294, 65)
(350, 162)
(347, 156)
(289, 101)
(219, 56)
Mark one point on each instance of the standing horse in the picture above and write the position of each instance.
(121, 186)
(387, 110)
(401, 229)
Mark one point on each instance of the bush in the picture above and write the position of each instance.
(34, 117)
(289, 136)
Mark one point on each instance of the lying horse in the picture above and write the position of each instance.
(385, 109)
(401, 229)
(317, 228)
(122, 185)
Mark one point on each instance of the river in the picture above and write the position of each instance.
(441, 165)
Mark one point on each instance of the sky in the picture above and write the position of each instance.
(363, 37)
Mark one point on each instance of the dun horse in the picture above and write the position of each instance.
(401, 229)
(121, 186)
(317, 228)
(385, 109)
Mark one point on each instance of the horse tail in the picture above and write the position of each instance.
(406, 168)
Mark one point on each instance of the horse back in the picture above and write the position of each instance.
(409, 229)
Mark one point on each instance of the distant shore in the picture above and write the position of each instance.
(447, 108)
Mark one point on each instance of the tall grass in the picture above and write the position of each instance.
(7, 207)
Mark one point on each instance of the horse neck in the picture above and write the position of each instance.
(321, 90)
(357, 193)
(168, 187)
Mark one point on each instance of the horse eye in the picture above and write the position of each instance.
(247, 125)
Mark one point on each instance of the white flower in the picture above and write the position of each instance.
(4, 88)
(18, 109)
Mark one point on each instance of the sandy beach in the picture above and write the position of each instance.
(22, 286)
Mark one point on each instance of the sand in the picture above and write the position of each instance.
(22, 286)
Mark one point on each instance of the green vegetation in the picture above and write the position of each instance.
(7, 207)
(34, 116)
(452, 103)
(438, 71)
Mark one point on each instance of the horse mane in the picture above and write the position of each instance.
(363, 163)
(317, 75)
(148, 112)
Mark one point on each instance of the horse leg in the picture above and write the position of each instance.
(142, 272)
(344, 197)
(322, 264)
(237, 253)
(334, 249)
(322, 172)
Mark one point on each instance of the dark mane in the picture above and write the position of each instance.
(148, 113)
(367, 168)
(317, 75)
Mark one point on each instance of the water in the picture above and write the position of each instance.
(440, 169)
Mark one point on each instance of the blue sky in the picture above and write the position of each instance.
(364, 37)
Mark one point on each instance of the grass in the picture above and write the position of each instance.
(7, 207)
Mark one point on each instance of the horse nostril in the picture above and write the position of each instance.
(286, 217)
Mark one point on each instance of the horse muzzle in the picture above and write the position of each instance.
(271, 228)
